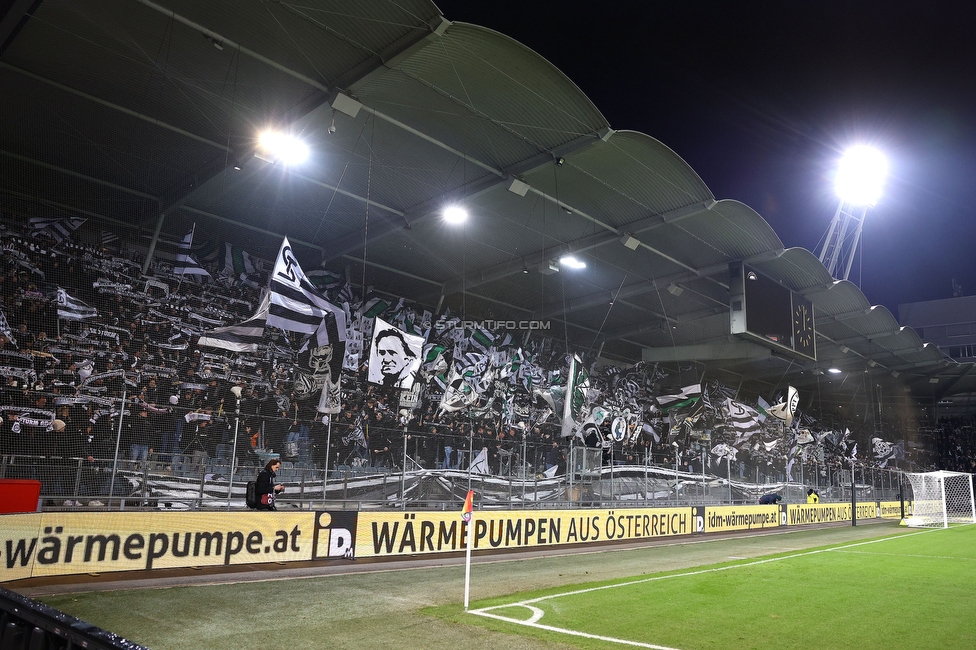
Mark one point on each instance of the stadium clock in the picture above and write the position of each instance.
(804, 335)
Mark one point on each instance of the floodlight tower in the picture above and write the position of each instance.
(860, 178)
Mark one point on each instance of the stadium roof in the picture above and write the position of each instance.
(139, 113)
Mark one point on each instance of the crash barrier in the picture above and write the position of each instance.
(25, 623)
(64, 543)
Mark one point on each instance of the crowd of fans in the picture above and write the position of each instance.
(955, 445)
(64, 377)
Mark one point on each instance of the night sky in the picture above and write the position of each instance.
(761, 98)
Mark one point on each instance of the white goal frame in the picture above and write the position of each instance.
(941, 498)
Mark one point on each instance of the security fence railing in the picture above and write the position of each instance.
(199, 453)
(405, 479)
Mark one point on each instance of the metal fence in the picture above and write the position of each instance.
(417, 472)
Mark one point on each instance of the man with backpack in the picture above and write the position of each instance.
(264, 488)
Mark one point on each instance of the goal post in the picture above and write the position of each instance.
(941, 498)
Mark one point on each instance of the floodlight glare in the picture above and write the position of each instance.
(281, 147)
(834, 371)
(860, 175)
(571, 262)
(455, 214)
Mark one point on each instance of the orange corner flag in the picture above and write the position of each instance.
(468, 506)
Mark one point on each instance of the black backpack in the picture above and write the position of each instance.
(250, 495)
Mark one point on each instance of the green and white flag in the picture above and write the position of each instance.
(237, 261)
(373, 307)
(576, 387)
(688, 396)
(482, 340)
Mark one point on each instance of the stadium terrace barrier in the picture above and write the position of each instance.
(64, 543)
(26, 623)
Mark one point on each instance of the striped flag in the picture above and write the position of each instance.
(58, 228)
(688, 396)
(71, 309)
(373, 307)
(185, 264)
(468, 506)
(744, 419)
(243, 337)
(296, 305)
(482, 340)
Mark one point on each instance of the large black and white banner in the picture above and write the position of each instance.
(297, 306)
(394, 356)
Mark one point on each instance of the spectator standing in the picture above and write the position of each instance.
(265, 488)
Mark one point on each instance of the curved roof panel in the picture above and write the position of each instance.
(121, 110)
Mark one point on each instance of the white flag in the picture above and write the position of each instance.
(480, 463)
(786, 409)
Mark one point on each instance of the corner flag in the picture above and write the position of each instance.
(468, 506)
(467, 513)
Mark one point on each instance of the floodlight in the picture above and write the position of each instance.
(834, 371)
(455, 214)
(571, 262)
(860, 175)
(275, 146)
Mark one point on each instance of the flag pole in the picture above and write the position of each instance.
(467, 563)
(189, 246)
(467, 515)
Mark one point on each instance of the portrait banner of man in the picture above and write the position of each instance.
(394, 356)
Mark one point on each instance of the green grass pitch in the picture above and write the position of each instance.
(911, 590)
(877, 586)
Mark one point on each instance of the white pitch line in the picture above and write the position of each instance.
(561, 630)
(537, 613)
(916, 555)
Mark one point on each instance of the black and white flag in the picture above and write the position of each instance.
(480, 463)
(185, 264)
(457, 393)
(5, 330)
(786, 409)
(394, 357)
(297, 306)
(744, 419)
(243, 337)
(72, 309)
(57, 228)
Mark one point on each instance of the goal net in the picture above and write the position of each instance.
(941, 498)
